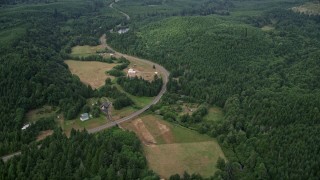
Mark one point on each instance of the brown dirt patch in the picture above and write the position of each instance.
(143, 132)
(43, 134)
(165, 133)
(90, 72)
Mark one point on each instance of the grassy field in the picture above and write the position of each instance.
(43, 112)
(77, 124)
(139, 101)
(198, 157)
(84, 51)
(90, 72)
(214, 114)
(118, 114)
(171, 148)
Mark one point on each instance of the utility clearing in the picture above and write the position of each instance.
(172, 149)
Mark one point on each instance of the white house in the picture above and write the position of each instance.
(84, 117)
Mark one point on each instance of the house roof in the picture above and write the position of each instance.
(84, 116)
(105, 104)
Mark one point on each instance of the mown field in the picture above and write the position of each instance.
(91, 72)
(171, 148)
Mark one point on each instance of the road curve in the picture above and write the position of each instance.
(164, 74)
(123, 13)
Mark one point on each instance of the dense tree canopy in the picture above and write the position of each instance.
(266, 81)
(32, 71)
(114, 154)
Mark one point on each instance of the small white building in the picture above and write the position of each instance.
(25, 126)
(84, 117)
(131, 73)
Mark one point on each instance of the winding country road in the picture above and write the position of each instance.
(164, 74)
(123, 13)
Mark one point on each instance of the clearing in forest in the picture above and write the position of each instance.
(43, 112)
(90, 72)
(308, 8)
(86, 50)
(171, 148)
(214, 114)
(267, 28)
(44, 134)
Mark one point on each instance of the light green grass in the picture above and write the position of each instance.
(78, 124)
(43, 112)
(185, 135)
(117, 114)
(168, 159)
(177, 148)
(139, 101)
(214, 114)
(86, 50)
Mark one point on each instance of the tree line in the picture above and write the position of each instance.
(266, 82)
(139, 87)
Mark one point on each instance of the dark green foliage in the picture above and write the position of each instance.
(121, 100)
(113, 154)
(32, 72)
(116, 73)
(267, 82)
(140, 87)
(95, 111)
(117, 70)
(90, 58)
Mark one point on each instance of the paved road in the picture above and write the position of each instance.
(164, 74)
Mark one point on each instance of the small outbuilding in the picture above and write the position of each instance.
(104, 106)
(84, 117)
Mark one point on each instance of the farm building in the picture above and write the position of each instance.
(104, 107)
(131, 73)
(25, 126)
(84, 117)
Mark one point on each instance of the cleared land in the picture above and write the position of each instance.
(90, 72)
(267, 28)
(77, 124)
(44, 134)
(308, 8)
(86, 50)
(43, 112)
(171, 148)
(144, 70)
(214, 114)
